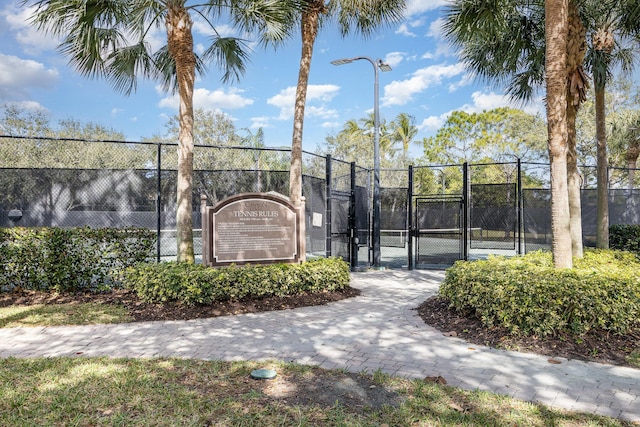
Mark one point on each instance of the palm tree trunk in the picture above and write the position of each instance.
(602, 227)
(576, 95)
(573, 185)
(556, 34)
(309, 30)
(180, 43)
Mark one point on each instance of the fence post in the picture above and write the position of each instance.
(410, 223)
(519, 208)
(353, 239)
(465, 211)
(327, 216)
(205, 229)
(158, 200)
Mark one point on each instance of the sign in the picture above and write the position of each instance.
(256, 228)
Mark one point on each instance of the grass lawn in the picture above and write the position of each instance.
(176, 392)
(61, 314)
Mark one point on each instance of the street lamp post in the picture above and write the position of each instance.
(377, 64)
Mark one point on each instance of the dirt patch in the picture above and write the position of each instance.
(328, 388)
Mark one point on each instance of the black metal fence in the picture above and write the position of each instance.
(430, 215)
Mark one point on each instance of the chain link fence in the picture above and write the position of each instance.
(430, 215)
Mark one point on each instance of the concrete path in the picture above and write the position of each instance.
(377, 330)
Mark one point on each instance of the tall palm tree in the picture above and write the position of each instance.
(556, 41)
(365, 16)
(614, 42)
(404, 129)
(111, 39)
(505, 43)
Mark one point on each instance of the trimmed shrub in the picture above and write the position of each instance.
(198, 284)
(527, 295)
(625, 238)
(70, 259)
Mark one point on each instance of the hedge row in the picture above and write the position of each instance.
(527, 295)
(70, 259)
(625, 238)
(197, 284)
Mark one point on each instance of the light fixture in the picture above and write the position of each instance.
(382, 66)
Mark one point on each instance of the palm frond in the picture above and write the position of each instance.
(126, 64)
(366, 16)
(165, 69)
(230, 54)
(271, 20)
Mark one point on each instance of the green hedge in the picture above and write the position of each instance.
(625, 238)
(70, 259)
(198, 284)
(527, 295)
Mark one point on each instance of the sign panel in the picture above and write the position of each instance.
(253, 228)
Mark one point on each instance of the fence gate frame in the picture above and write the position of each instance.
(413, 212)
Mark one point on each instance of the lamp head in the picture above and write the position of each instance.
(383, 66)
(342, 61)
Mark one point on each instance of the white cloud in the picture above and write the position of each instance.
(417, 7)
(403, 30)
(394, 58)
(402, 92)
(433, 123)
(331, 125)
(322, 112)
(203, 28)
(32, 40)
(285, 101)
(18, 76)
(217, 100)
(488, 101)
(435, 28)
(261, 122)
(466, 80)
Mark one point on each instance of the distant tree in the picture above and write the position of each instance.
(498, 135)
(614, 30)
(404, 130)
(354, 143)
(69, 144)
(17, 121)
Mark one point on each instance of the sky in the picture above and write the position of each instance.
(427, 81)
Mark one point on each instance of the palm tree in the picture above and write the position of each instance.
(366, 16)
(556, 41)
(110, 39)
(505, 43)
(404, 129)
(625, 135)
(613, 35)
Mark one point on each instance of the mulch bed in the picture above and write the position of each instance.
(595, 346)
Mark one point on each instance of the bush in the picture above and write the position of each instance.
(625, 238)
(198, 284)
(528, 295)
(70, 259)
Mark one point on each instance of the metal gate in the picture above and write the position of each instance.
(439, 230)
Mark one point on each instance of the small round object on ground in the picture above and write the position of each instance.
(263, 374)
